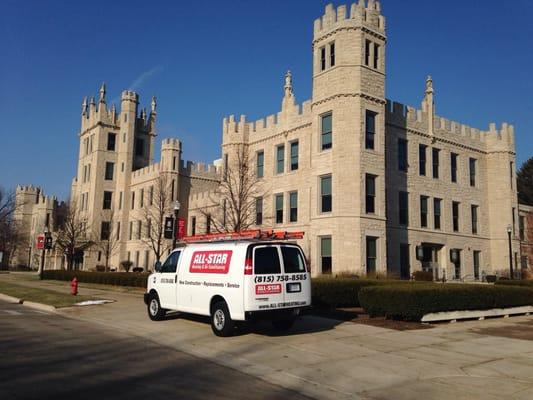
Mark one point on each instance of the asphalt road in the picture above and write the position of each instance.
(48, 356)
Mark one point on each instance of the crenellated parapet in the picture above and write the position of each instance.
(363, 14)
(201, 170)
(147, 173)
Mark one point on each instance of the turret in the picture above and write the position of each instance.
(170, 155)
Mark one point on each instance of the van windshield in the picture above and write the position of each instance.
(266, 260)
(292, 260)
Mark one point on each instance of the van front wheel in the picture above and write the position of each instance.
(155, 312)
(221, 322)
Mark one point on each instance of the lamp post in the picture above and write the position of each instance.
(42, 254)
(177, 206)
(509, 230)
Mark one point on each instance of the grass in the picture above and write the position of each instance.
(44, 296)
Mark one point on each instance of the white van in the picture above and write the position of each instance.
(235, 279)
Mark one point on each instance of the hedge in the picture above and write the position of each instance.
(412, 302)
(343, 292)
(526, 283)
(106, 278)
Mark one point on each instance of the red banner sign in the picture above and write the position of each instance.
(181, 231)
(268, 289)
(40, 242)
(211, 262)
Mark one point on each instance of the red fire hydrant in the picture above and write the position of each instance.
(74, 286)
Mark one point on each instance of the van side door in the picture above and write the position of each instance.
(167, 284)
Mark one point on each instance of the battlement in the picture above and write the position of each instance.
(170, 143)
(367, 13)
(145, 172)
(30, 189)
(128, 95)
(200, 169)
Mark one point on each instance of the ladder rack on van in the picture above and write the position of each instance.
(256, 235)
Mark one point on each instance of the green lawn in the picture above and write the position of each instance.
(38, 295)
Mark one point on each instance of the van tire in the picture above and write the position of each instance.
(283, 324)
(155, 312)
(221, 322)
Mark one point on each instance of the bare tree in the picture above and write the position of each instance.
(72, 234)
(106, 237)
(157, 206)
(11, 232)
(233, 203)
(8, 204)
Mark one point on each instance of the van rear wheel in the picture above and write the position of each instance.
(155, 312)
(283, 324)
(221, 322)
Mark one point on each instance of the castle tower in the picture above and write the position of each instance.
(348, 109)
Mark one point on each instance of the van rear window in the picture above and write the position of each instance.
(292, 260)
(266, 261)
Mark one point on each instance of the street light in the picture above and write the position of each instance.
(42, 254)
(177, 206)
(509, 230)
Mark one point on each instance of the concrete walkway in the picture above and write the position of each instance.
(327, 359)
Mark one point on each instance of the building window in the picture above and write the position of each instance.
(325, 254)
(105, 230)
(107, 200)
(436, 213)
(370, 129)
(332, 54)
(422, 159)
(131, 230)
(521, 227)
(88, 172)
(370, 194)
(453, 166)
(193, 226)
(259, 211)
(424, 211)
(111, 141)
(455, 216)
(514, 222)
(367, 52)
(473, 210)
(149, 228)
(279, 208)
(511, 173)
(139, 147)
(435, 159)
(141, 198)
(280, 158)
(208, 224)
(151, 195)
(402, 155)
(132, 200)
(326, 131)
(403, 208)
(260, 163)
(120, 201)
(325, 194)
(472, 164)
(226, 166)
(322, 58)
(109, 169)
(376, 55)
(139, 229)
(293, 207)
(294, 155)
(118, 230)
(121, 167)
(146, 259)
(371, 255)
(476, 257)
(174, 163)
(173, 190)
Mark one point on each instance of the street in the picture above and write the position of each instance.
(45, 356)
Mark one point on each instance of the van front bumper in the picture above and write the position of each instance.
(146, 298)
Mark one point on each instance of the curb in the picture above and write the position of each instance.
(10, 299)
(30, 304)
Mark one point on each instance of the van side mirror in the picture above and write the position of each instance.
(157, 266)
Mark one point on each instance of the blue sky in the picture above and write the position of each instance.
(207, 59)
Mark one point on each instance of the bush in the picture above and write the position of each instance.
(423, 276)
(138, 269)
(412, 302)
(126, 264)
(508, 282)
(100, 268)
(106, 278)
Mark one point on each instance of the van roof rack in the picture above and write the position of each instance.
(255, 235)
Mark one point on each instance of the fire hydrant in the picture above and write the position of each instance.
(74, 286)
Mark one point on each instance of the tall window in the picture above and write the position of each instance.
(422, 159)
(436, 213)
(260, 163)
(293, 207)
(226, 166)
(371, 255)
(455, 216)
(511, 173)
(294, 155)
(193, 226)
(332, 54)
(118, 230)
(139, 147)
(131, 231)
(111, 141)
(151, 196)
(403, 208)
(435, 159)
(322, 58)
(367, 52)
(141, 198)
(473, 210)
(325, 254)
(120, 201)
(521, 227)
(279, 208)
(107, 200)
(105, 230)
(148, 228)
(402, 155)
(453, 166)
(370, 129)
(514, 221)
(259, 211)
(280, 158)
(472, 165)
(477, 257)
(370, 194)
(109, 168)
(325, 194)
(424, 211)
(139, 229)
(376, 55)
(326, 131)
(133, 200)
(208, 224)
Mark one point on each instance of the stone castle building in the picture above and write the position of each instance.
(377, 186)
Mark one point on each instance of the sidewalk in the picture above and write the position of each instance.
(330, 359)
